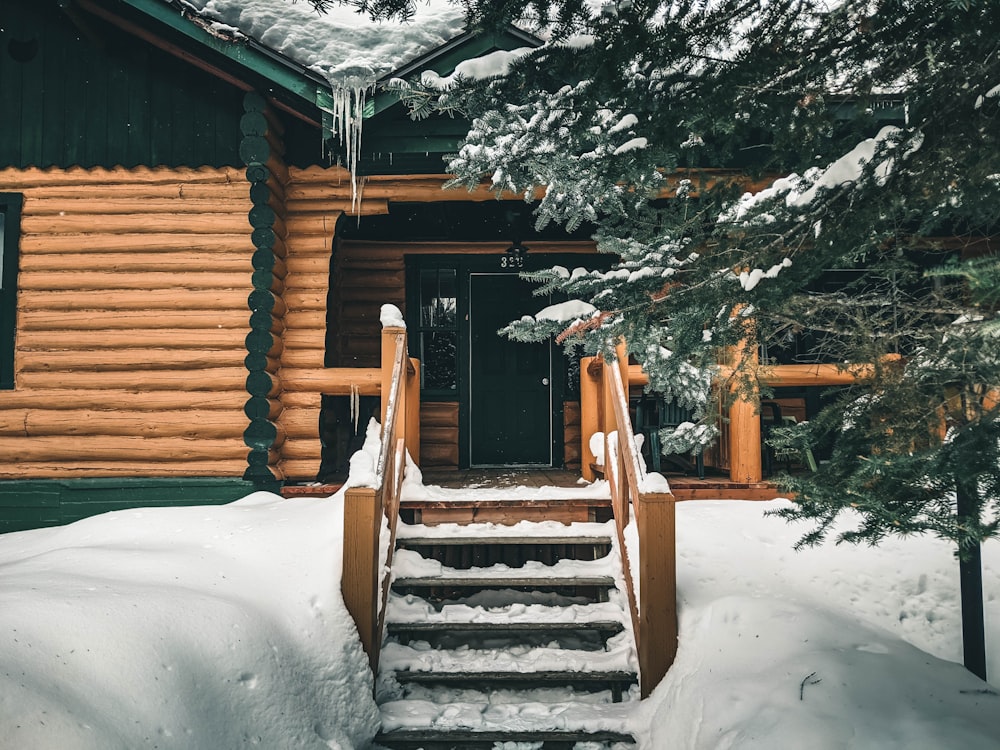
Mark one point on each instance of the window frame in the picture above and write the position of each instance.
(10, 243)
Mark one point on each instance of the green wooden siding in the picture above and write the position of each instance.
(108, 99)
(32, 504)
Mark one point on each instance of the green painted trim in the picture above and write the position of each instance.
(279, 70)
(36, 503)
(261, 433)
(10, 240)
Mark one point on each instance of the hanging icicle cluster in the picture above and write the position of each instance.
(349, 96)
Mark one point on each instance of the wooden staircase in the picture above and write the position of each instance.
(507, 633)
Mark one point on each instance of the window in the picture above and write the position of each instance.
(438, 330)
(10, 230)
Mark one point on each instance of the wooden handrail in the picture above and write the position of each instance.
(653, 598)
(370, 509)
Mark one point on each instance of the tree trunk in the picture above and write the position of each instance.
(970, 566)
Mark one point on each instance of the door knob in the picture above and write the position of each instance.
(545, 381)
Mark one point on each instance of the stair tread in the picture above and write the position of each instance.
(451, 625)
(491, 500)
(544, 675)
(617, 657)
(507, 735)
(431, 541)
(521, 528)
(504, 579)
(413, 715)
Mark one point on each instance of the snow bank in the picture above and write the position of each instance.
(223, 627)
(200, 627)
(830, 647)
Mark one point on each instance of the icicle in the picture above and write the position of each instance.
(355, 406)
(349, 95)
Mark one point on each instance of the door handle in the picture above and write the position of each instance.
(545, 381)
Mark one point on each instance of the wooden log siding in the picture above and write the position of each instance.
(130, 344)
(311, 224)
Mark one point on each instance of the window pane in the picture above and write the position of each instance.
(437, 298)
(437, 358)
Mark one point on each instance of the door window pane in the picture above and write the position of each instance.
(438, 329)
(438, 356)
(437, 298)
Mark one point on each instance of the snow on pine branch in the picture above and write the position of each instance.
(586, 161)
(870, 162)
(491, 65)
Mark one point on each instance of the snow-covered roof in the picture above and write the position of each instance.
(345, 47)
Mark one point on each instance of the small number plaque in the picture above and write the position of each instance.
(511, 261)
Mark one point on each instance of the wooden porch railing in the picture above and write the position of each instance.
(370, 509)
(651, 568)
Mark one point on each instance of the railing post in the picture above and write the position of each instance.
(412, 428)
(657, 636)
(590, 418)
(359, 577)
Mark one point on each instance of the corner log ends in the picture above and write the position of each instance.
(267, 176)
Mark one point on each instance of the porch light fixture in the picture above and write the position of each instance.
(517, 250)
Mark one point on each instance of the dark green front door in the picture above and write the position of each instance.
(510, 383)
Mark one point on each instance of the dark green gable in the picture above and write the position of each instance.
(77, 91)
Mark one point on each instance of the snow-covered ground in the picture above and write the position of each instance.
(223, 627)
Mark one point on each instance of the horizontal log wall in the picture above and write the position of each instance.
(131, 324)
(315, 199)
(439, 434)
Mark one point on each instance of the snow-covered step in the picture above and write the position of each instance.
(414, 573)
(617, 656)
(433, 739)
(507, 633)
(466, 725)
(413, 609)
(446, 533)
(483, 544)
(434, 541)
(615, 682)
(510, 581)
(405, 631)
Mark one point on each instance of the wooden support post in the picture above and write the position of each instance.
(590, 418)
(744, 419)
(413, 411)
(359, 578)
(744, 441)
(657, 636)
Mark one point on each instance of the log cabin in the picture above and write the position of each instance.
(192, 279)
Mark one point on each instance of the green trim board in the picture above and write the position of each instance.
(36, 503)
(10, 235)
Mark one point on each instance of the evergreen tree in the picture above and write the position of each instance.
(875, 123)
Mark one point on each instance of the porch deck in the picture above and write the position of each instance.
(683, 487)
